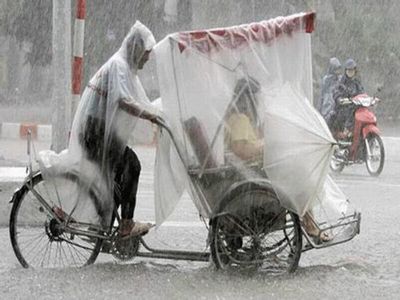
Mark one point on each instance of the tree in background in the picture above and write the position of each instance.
(365, 30)
(31, 31)
(30, 22)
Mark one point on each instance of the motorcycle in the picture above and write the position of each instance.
(364, 144)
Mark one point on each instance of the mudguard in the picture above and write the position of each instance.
(22, 188)
(370, 128)
(16, 194)
(246, 184)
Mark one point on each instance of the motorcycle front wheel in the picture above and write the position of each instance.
(375, 157)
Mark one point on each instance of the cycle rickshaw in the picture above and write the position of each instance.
(253, 208)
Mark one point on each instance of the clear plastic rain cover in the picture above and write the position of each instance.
(237, 102)
(113, 106)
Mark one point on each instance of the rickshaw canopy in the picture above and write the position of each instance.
(199, 74)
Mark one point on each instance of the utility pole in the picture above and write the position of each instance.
(61, 70)
(77, 67)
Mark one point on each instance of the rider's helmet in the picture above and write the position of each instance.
(350, 67)
(350, 64)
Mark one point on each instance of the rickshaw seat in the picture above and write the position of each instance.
(199, 142)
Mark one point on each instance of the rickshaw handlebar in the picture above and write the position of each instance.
(160, 122)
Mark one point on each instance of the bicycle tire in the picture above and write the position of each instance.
(21, 198)
(370, 139)
(225, 261)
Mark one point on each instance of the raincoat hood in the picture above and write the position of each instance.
(334, 65)
(138, 40)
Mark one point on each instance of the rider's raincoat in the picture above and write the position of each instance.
(101, 129)
(326, 106)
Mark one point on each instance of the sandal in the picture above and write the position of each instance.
(132, 229)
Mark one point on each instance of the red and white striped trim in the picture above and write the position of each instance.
(77, 66)
(20, 131)
(233, 37)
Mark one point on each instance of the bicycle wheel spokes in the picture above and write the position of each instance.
(254, 231)
(278, 248)
(40, 231)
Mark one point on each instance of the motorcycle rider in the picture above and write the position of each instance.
(326, 105)
(348, 87)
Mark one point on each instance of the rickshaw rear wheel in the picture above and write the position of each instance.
(252, 230)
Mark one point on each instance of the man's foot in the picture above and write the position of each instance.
(129, 228)
(313, 231)
(325, 237)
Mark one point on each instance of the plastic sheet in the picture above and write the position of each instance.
(112, 109)
(243, 89)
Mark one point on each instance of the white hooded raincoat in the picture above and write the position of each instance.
(100, 113)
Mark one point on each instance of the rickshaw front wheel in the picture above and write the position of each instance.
(252, 230)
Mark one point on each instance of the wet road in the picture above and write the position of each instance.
(367, 267)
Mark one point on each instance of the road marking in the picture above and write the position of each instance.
(355, 181)
(181, 224)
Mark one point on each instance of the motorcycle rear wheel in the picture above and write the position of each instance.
(376, 160)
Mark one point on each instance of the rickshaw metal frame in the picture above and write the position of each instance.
(201, 256)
